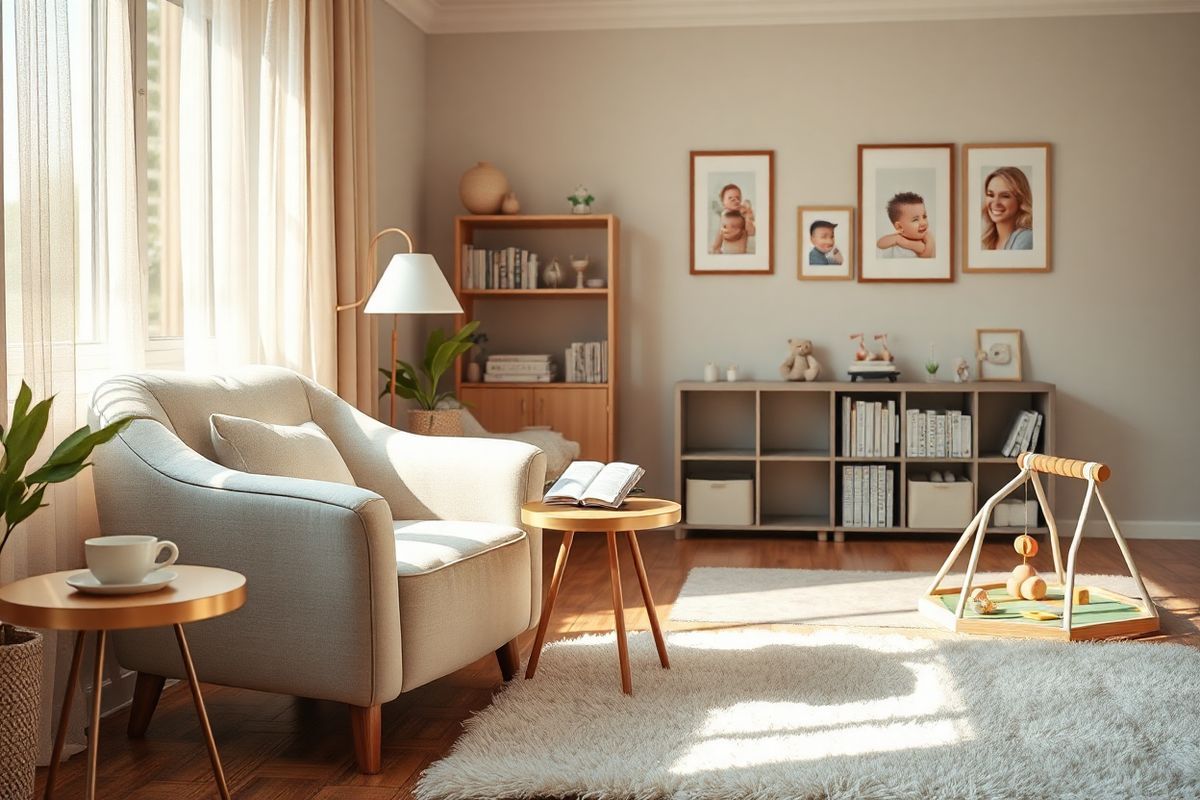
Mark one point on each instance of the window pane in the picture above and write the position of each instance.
(164, 20)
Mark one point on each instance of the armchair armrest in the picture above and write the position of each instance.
(322, 615)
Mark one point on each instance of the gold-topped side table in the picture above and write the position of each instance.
(636, 514)
(46, 601)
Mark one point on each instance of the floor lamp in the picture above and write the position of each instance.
(413, 283)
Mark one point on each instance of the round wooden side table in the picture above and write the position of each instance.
(46, 601)
(637, 514)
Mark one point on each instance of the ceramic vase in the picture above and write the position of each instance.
(552, 276)
(510, 204)
(710, 373)
(482, 189)
(474, 372)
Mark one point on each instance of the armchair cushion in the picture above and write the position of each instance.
(424, 545)
(290, 451)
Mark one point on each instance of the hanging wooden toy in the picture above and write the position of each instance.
(1035, 607)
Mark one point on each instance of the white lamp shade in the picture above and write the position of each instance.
(413, 283)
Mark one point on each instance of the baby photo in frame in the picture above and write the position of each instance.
(732, 212)
(998, 354)
(1006, 207)
(906, 212)
(825, 243)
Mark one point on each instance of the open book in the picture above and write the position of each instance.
(590, 483)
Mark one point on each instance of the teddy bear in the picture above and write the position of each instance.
(800, 364)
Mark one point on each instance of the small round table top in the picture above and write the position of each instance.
(46, 601)
(636, 514)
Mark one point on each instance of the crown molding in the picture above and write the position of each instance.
(509, 16)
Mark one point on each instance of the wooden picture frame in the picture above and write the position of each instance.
(1024, 173)
(714, 175)
(897, 178)
(985, 340)
(812, 264)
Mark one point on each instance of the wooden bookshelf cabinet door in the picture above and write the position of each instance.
(580, 415)
(500, 410)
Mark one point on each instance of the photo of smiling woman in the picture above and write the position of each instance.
(1007, 210)
(1006, 207)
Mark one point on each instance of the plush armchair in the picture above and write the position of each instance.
(356, 593)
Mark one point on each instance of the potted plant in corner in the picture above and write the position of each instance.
(421, 383)
(21, 650)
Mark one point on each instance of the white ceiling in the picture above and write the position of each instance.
(497, 16)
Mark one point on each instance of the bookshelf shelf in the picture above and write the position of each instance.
(786, 437)
(582, 412)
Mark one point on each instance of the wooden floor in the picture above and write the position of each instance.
(283, 747)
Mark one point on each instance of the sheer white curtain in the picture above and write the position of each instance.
(76, 207)
(257, 211)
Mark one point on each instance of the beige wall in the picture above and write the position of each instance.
(400, 92)
(1115, 325)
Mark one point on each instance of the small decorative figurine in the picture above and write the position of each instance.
(731, 374)
(553, 275)
(581, 200)
(510, 204)
(872, 366)
(962, 372)
(862, 353)
(981, 602)
(884, 353)
(710, 373)
(800, 364)
(580, 266)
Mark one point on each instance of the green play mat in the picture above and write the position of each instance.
(1100, 609)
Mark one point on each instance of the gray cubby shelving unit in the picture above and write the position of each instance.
(786, 436)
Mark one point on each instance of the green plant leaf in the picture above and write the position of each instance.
(24, 398)
(80, 444)
(19, 507)
(436, 338)
(23, 439)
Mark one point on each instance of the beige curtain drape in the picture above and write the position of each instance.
(289, 186)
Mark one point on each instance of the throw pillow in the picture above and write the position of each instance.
(292, 451)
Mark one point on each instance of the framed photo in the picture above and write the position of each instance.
(826, 243)
(733, 212)
(1006, 207)
(906, 212)
(998, 354)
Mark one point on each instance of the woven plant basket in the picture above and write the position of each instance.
(443, 422)
(20, 702)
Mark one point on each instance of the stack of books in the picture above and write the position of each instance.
(1024, 433)
(937, 434)
(519, 369)
(868, 496)
(507, 268)
(587, 362)
(869, 429)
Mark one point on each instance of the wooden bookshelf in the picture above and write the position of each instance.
(787, 437)
(545, 321)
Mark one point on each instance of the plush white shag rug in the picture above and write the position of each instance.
(837, 714)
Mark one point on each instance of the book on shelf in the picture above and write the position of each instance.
(937, 434)
(869, 429)
(868, 496)
(586, 362)
(1024, 434)
(504, 268)
(520, 369)
(592, 484)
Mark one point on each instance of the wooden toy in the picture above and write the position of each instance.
(981, 602)
(1088, 612)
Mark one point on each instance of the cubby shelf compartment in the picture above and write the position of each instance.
(786, 436)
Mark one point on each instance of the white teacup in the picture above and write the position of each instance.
(126, 559)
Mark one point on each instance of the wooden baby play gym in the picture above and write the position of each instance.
(1026, 605)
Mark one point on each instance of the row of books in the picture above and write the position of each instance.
(587, 362)
(1024, 433)
(869, 428)
(507, 268)
(937, 434)
(520, 369)
(868, 496)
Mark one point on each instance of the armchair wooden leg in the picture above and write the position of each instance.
(509, 658)
(146, 692)
(366, 724)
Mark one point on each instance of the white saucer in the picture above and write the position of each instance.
(86, 582)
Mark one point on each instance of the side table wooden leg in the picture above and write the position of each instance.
(614, 574)
(64, 716)
(560, 567)
(648, 599)
(198, 699)
(94, 731)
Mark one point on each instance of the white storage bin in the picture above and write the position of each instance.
(940, 505)
(727, 501)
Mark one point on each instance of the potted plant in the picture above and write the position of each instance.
(421, 383)
(21, 650)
